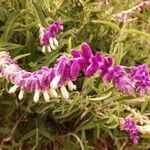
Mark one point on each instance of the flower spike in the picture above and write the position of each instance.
(48, 35)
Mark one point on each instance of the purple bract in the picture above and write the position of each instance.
(141, 77)
(48, 36)
(130, 127)
(48, 80)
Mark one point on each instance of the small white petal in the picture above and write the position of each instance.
(13, 89)
(46, 96)
(53, 47)
(55, 41)
(51, 42)
(21, 93)
(53, 93)
(71, 86)
(55, 81)
(64, 92)
(49, 49)
(36, 96)
(42, 29)
(144, 129)
(44, 49)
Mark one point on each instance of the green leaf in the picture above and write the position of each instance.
(101, 98)
(40, 14)
(88, 124)
(46, 133)
(9, 26)
(69, 44)
(50, 58)
(134, 31)
(47, 4)
(9, 46)
(3, 13)
(21, 56)
(28, 135)
(31, 45)
(108, 23)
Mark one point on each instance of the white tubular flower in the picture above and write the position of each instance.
(44, 49)
(51, 42)
(46, 96)
(64, 92)
(49, 49)
(55, 41)
(21, 93)
(13, 89)
(55, 81)
(71, 86)
(144, 129)
(53, 93)
(36, 96)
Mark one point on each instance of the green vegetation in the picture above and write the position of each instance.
(91, 118)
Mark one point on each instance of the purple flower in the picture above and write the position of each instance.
(130, 127)
(83, 57)
(90, 63)
(122, 17)
(37, 82)
(48, 36)
(140, 75)
(125, 15)
(94, 64)
(44, 81)
(120, 79)
(67, 70)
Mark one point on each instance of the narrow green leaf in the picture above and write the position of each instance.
(40, 14)
(8, 26)
(29, 135)
(46, 133)
(21, 56)
(47, 4)
(9, 46)
(88, 124)
(69, 44)
(108, 23)
(101, 98)
(134, 31)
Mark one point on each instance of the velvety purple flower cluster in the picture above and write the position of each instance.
(141, 77)
(125, 15)
(90, 64)
(130, 127)
(48, 36)
(46, 81)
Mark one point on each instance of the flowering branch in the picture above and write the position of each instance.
(48, 80)
(125, 15)
(134, 124)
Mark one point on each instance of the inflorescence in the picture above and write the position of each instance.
(129, 125)
(126, 15)
(47, 80)
(48, 35)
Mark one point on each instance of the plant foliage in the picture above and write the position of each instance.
(90, 120)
